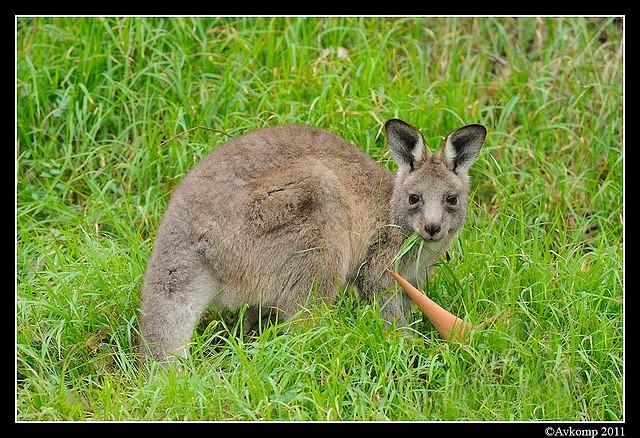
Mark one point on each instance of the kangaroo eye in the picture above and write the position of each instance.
(413, 199)
(452, 199)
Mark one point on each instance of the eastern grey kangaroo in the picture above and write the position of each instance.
(276, 213)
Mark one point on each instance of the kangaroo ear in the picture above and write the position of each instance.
(462, 146)
(405, 144)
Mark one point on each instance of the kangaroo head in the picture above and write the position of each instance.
(431, 189)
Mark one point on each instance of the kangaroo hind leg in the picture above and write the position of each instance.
(174, 297)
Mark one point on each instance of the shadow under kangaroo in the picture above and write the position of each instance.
(270, 215)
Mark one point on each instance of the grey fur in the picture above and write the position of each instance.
(276, 213)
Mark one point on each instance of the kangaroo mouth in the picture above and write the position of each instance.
(431, 239)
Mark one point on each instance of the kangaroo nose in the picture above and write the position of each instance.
(432, 229)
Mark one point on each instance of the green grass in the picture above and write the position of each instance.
(99, 98)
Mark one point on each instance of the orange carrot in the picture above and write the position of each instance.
(450, 326)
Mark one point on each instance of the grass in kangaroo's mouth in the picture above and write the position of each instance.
(98, 98)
